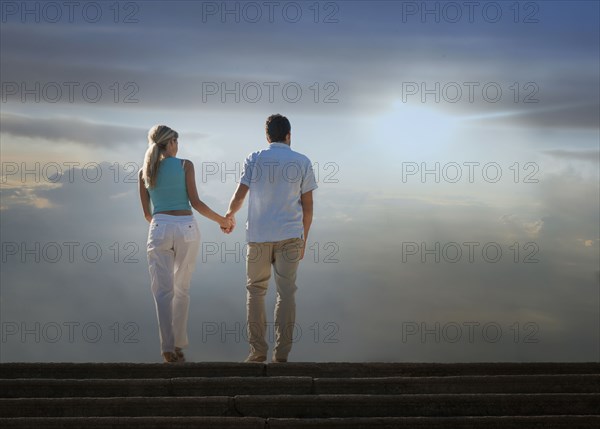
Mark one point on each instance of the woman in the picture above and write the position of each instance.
(173, 239)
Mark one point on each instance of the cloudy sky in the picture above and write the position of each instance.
(456, 148)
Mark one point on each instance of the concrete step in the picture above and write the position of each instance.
(192, 386)
(130, 370)
(442, 405)
(306, 369)
(133, 423)
(300, 395)
(309, 406)
(231, 386)
(580, 383)
(502, 422)
(119, 407)
(375, 369)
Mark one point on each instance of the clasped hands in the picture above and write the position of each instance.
(228, 224)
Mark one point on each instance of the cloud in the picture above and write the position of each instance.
(518, 228)
(369, 294)
(24, 196)
(170, 66)
(75, 130)
(592, 156)
(587, 243)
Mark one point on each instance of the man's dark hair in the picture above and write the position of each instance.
(277, 127)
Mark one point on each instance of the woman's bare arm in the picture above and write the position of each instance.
(144, 198)
(197, 204)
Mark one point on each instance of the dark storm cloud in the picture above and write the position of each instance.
(171, 54)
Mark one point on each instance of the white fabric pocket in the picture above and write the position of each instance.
(157, 231)
(189, 230)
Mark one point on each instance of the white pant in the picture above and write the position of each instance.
(173, 244)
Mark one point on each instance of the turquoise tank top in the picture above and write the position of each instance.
(170, 191)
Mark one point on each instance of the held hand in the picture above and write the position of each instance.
(302, 250)
(228, 223)
(232, 218)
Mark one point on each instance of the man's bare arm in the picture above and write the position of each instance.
(236, 203)
(307, 215)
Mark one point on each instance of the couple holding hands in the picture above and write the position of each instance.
(279, 182)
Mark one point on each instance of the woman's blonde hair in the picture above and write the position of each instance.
(158, 137)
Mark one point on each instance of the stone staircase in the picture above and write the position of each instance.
(300, 395)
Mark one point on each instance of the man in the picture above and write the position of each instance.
(280, 212)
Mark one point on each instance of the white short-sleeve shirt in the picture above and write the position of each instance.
(277, 177)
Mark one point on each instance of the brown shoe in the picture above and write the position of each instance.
(253, 358)
(180, 355)
(170, 357)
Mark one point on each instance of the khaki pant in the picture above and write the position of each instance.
(284, 256)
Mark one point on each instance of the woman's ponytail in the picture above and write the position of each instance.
(158, 137)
